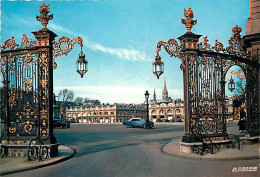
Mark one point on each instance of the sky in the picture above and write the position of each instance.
(120, 38)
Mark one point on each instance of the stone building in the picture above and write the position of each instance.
(105, 113)
(252, 41)
(165, 109)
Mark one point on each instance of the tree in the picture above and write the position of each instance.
(78, 100)
(65, 95)
(86, 99)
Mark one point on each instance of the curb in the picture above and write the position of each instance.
(40, 166)
(186, 156)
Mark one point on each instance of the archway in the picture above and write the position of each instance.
(236, 103)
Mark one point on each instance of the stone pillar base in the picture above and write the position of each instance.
(19, 149)
(250, 139)
(189, 138)
(188, 147)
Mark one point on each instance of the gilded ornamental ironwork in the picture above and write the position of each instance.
(44, 18)
(27, 72)
(204, 69)
(189, 22)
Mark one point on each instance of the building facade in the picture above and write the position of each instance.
(105, 113)
(173, 110)
(166, 109)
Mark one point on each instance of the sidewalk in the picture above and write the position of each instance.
(21, 164)
(246, 152)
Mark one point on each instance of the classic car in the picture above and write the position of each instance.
(57, 123)
(137, 122)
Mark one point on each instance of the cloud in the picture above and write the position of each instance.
(59, 28)
(122, 53)
(130, 53)
(17, 20)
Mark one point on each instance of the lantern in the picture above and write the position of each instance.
(231, 85)
(158, 66)
(82, 64)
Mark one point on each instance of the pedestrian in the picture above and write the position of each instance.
(242, 124)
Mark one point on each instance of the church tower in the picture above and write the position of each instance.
(154, 96)
(164, 93)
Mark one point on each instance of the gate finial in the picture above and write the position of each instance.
(44, 18)
(189, 22)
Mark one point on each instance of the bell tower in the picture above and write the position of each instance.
(164, 92)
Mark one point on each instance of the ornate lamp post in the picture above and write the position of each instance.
(147, 125)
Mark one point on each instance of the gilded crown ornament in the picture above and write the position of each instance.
(189, 22)
(44, 18)
(236, 31)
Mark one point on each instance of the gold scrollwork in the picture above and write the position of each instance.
(171, 47)
(44, 132)
(9, 43)
(12, 128)
(27, 85)
(44, 113)
(44, 83)
(44, 127)
(205, 45)
(44, 58)
(12, 98)
(65, 45)
(27, 43)
(27, 58)
(218, 46)
(28, 125)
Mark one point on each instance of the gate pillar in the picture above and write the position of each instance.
(189, 43)
(45, 40)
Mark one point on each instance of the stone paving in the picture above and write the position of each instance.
(246, 152)
(21, 164)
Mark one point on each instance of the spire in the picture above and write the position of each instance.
(154, 96)
(164, 87)
(165, 92)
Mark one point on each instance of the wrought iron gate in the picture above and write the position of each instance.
(27, 73)
(204, 71)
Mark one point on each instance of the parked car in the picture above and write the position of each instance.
(137, 122)
(165, 120)
(158, 120)
(57, 123)
(179, 120)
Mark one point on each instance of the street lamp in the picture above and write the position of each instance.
(158, 66)
(231, 85)
(147, 125)
(82, 64)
